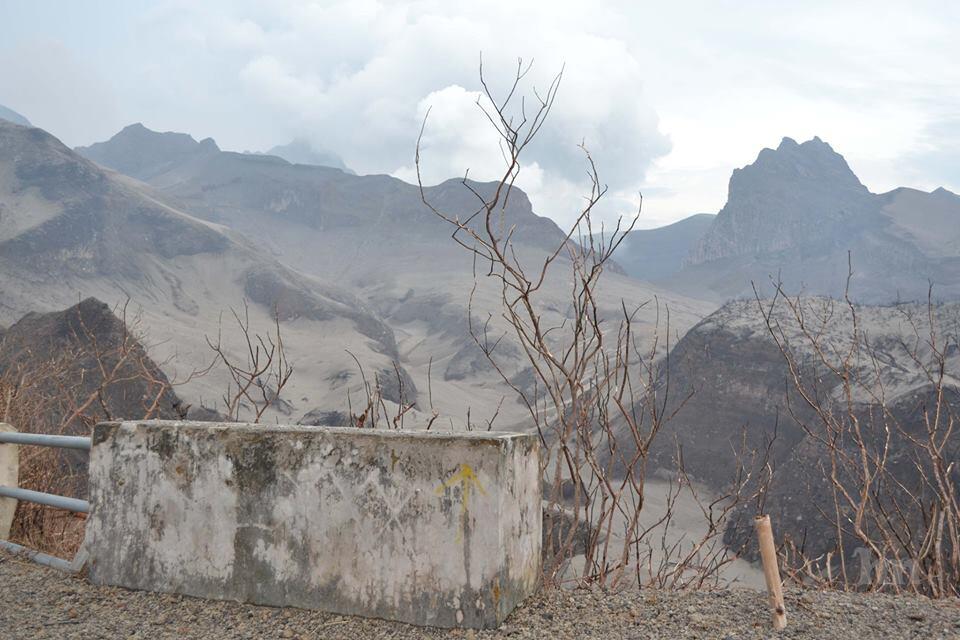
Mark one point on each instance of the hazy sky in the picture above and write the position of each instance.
(668, 96)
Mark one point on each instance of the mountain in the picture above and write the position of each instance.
(655, 254)
(796, 213)
(733, 390)
(123, 152)
(301, 151)
(374, 236)
(69, 355)
(12, 116)
(72, 230)
(737, 378)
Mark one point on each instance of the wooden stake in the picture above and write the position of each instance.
(771, 572)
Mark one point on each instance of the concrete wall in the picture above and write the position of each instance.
(429, 528)
(10, 477)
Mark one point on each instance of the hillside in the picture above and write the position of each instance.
(374, 236)
(799, 210)
(72, 229)
(737, 395)
(65, 357)
(655, 254)
(739, 379)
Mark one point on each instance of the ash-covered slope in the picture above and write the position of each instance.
(798, 211)
(742, 395)
(736, 377)
(232, 187)
(72, 229)
(374, 235)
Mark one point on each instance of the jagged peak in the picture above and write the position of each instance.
(787, 143)
(139, 131)
(813, 159)
(943, 191)
(814, 144)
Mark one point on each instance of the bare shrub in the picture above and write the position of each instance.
(65, 387)
(255, 382)
(881, 416)
(597, 398)
(375, 412)
(103, 373)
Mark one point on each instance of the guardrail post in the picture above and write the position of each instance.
(9, 476)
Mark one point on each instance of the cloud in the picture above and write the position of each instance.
(669, 98)
(358, 78)
(55, 89)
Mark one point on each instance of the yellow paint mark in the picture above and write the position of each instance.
(467, 478)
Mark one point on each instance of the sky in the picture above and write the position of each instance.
(668, 97)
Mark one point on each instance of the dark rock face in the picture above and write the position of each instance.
(79, 340)
(727, 381)
(800, 493)
(323, 418)
(734, 393)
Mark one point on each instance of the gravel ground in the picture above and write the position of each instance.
(36, 602)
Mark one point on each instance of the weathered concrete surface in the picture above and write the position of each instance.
(428, 528)
(10, 477)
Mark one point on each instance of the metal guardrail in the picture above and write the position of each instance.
(46, 499)
(42, 440)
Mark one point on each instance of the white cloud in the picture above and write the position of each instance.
(669, 98)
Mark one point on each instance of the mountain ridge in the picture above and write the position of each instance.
(800, 215)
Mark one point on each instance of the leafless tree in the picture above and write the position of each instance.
(598, 399)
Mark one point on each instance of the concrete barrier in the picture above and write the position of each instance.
(9, 477)
(428, 528)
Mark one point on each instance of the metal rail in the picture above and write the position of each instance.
(42, 440)
(46, 499)
(38, 557)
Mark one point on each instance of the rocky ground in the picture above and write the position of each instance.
(41, 603)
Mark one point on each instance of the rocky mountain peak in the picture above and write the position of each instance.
(794, 163)
(143, 153)
(797, 194)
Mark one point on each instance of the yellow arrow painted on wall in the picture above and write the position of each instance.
(468, 481)
(466, 477)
